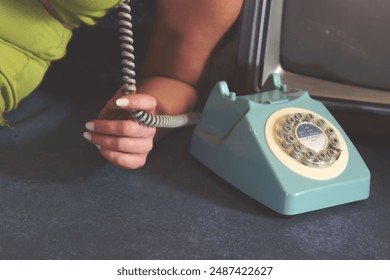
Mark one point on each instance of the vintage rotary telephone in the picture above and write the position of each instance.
(279, 146)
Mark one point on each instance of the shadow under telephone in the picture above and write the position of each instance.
(279, 146)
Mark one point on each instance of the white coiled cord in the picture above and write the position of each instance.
(128, 77)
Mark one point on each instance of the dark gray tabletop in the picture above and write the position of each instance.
(60, 200)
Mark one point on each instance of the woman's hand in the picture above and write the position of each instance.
(122, 141)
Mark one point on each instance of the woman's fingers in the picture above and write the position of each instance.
(121, 144)
(128, 161)
(133, 101)
(122, 141)
(127, 128)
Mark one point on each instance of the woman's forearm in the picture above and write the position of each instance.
(184, 36)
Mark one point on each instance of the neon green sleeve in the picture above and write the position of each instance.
(30, 38)
(75, 12)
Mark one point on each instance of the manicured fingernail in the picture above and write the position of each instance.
(87, 136)
(99, 147)
(122, 102)
(90, 126)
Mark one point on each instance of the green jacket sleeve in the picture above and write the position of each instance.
(30, 38)
(75, 12)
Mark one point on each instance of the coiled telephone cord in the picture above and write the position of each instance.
(129, 74)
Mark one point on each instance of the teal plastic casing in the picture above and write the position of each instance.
(230, 140)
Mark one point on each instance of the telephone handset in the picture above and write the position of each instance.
(280, 147)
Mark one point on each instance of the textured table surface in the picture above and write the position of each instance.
(60, 200)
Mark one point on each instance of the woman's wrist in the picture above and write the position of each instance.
(173, 97)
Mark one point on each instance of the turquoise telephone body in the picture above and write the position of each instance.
(282, 148)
